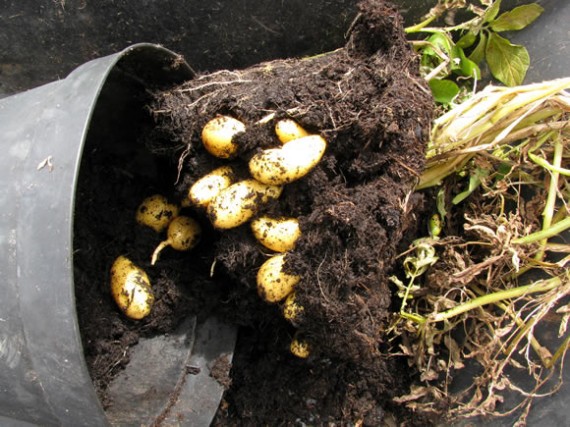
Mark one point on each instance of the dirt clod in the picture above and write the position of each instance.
(369, 102)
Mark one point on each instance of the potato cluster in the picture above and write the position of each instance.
(130, 285)
(229, 203)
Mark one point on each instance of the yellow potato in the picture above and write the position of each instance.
(130, 287)
(156, 212)
(238, 203)
(288, 130)
(294, 160)
(300, 348)
(277, 234)
(273, 284)
(209, 186)
(291, 309)
(218, 136)
(183, 234)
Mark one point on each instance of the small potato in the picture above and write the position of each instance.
(218, 136)
(209, 186)
(238, 203)
(130, 287)
(300, 348)
(291, 309)
(156, 212)
(273, 284)
(277, 234)
(288, 130)
(183, 234)
(294, 160)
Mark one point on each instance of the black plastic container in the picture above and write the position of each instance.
(43, 375)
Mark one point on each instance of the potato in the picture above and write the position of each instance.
(294, 160)
(183, 234)
(238, 203)
(273, 284)
(209, 186)
(277, 234)
(131, 289)
(300, 347)
(288, 130)
(291, 309)
(156, 212)
(218, 136)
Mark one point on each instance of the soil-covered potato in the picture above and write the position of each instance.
(370, 105)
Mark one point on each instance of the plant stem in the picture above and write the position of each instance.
(419, 27)
(549, 230)
(541, 351)
(559, 352)
(539, 286)
(541, 235)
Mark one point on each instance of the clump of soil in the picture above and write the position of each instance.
(368, 101)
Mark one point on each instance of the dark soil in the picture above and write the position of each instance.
(354, 208)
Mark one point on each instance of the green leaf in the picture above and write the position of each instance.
(478, 53)
(475, 180)
(492, 12)
(508, 62)
(440, 40)
(470, 69)
(462, 65)
(518, 18)
(443, 90)
(467, 40)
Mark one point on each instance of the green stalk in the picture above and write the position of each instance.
(495, 297)
(546, 165)
(561, 351)
(541, 351)
(544, 234)
(550, 204)
(420, 27)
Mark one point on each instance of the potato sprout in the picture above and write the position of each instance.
(183, 234)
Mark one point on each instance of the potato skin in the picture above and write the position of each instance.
(292, 161)
(238, 203)
(218, 136)
(156, 212)
(300, 348)
(184, 233)
(209, 186)
(131, 289)
(277, 234)
(288, 130)
(291, 309)
(273, 284)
